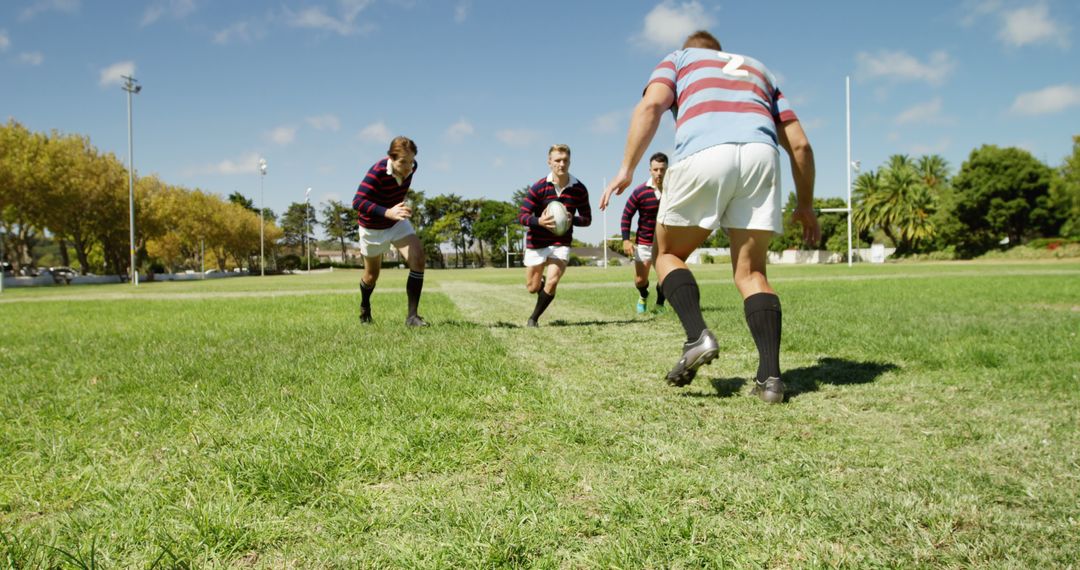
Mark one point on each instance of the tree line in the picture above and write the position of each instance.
(58, 191)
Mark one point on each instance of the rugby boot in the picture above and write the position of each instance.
(531, 324)
(770, 390)
(695, 355)
(365, 315)
(641, 306)
(415, 321)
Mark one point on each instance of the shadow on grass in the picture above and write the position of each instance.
(835, 371)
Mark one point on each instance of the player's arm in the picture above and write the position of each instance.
(628, 212)
(658, 98)
(583, 214)
(793, 139)
(362, 200)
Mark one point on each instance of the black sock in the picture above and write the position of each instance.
(660, 298)
(763, 317)
(643, 291)
(681, 287)
(542, 302)
(413, 286)
(365, 294)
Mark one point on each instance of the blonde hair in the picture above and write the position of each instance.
(559, 148)
(400, 145)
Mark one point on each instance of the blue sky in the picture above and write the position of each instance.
(485, 86)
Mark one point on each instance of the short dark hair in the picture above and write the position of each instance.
(702, 39)
(400, 145)
(659, 157)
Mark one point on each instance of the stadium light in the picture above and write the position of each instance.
(262, 220)
(132, 89)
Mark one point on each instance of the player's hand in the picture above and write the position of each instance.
(547, 221)
(621, 182)
(807, 218)
(399, 212)
(628, 248)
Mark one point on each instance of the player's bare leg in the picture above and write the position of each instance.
(372, 266)
(675, 245)
(761, 305)
(641, 282)
(413, 251)
(552, 270)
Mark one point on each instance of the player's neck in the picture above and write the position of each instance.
(561, 181)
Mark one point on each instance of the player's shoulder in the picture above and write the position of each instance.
(539, 184)
(380, 166)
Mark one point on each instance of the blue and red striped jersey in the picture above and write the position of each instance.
(721, 98)
(644, 202)
(576, 199)
(378, 192)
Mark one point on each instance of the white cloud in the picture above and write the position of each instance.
(245, 164)
(813, 124)
(375, 132)
(1032, 25)
(5, 41)
(929, 112)
(1052, 99)
(517, 137)
(974, 9)
(900, 66)
(667, 25)
(607, 123)
(112, 75)
(177, 9)
(282, 135)
(240, 31)
(40, 6)
(31, 58)
(936, 148)
(459, 130)
(317, 19)
(461, 11)
(325, 123)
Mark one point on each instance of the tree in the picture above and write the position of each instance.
(494, 222)
(1065, 192)
(243, 201)
(1000, 193)
(298, 223)
(899, 201)
(340, 223)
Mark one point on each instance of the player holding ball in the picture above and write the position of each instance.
(547, 248)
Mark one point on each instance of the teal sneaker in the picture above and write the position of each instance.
(640, 306)
(659, 309)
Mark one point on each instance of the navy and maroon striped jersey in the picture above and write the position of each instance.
(378, 192)
(576, 199)
(643, 201)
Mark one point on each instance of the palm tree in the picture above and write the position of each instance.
(898, 200)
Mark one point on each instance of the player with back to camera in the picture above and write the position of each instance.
(383, 216)
(729, 117)
(644, 201)
(546, 254)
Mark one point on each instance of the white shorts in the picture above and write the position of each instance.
(374, 243)
(730, 185)
(534, 257)
(644, 253)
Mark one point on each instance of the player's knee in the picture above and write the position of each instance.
(639, 282)
(532, 287)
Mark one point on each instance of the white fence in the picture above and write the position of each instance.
(876, 254)
(46, 278)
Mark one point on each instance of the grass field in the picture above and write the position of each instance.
(933, 421)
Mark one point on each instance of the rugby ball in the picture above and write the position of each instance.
(557, 210)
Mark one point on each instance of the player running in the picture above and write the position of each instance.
(644, 201)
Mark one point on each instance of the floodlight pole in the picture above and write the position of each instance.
(131, 88)
(262, 220)
(849, 166)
